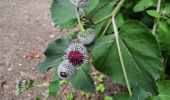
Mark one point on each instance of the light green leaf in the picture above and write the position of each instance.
(164, 90)
(108, 98)
(143, 4)
(163, 35)
(141, 55)
(53, 87)
(70, 96)
(153, 13)
(82, 80)
(54, 54)
(100, 88)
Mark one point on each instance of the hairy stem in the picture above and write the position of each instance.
(156, 19)
(118, 45)
(57, 98)
(79, 21)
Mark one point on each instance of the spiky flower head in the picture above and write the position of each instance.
(66, 70)
(76, 54)
(87, 37)
(80, 3)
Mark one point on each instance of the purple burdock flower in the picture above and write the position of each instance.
(66, 70)
(76, 54)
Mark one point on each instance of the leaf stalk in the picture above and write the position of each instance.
(118, 44)
(79, 21)
(156, 19)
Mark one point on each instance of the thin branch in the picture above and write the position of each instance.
(118, 45)
(42, 85)
(114, 12)
(104, 18)
(156, 19)
(106, 28)
(45, 98)
(57, 98)
(79, 21)
(120, 56)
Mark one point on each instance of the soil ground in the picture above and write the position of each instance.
(25, 31)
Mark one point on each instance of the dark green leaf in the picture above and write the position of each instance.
(38, 98)
(140, 94)
(104, 8)
(82, 80)
(63, 12)
(141, 56)
(53, 87)
(54, 54)
(122, 96)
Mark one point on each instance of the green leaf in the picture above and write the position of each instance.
(143, 4)
(100, 88)
(164, 89)
(38, 98)
(163, 35)
(141, 55)
(108, 98)
(104, 8)
(53, 87)
(122, 96)
(82, 80)
(153, 13)
(23, 85)
(70, 96)
(140, 94)
(63, 12)
(54, 54)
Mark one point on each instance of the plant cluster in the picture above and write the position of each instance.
(127, 40)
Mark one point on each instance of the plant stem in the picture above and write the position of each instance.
(104, 18)
(118, 45)
(106, 28)
(46, 84)
(57, 98)
(79, 21)
(120, 55)
(156, 19)
(114, 12)
(45, 98)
